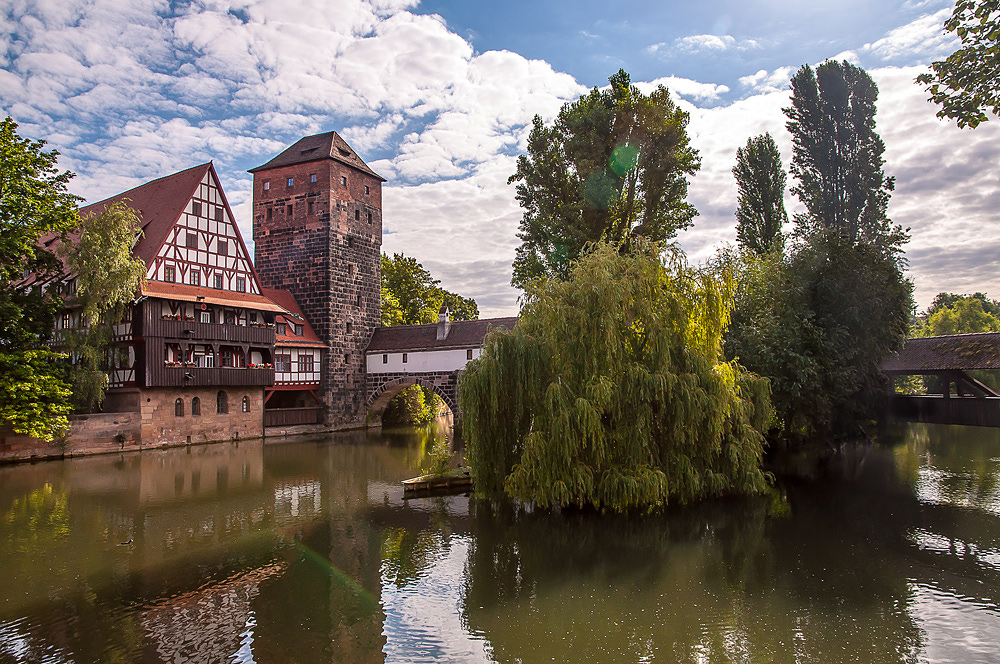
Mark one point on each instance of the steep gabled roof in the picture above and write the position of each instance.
(294, 315)
(315, 148)
(462, 334)
(159, 204)
(956, 351)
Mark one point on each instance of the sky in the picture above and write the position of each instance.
(437, 96)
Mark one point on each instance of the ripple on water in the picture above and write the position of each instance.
(955, 628)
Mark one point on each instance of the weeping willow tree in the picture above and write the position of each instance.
(611, 391)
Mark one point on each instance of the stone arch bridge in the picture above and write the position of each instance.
(432, 356)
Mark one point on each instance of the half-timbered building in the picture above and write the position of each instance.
(196, 352)
(295, 398)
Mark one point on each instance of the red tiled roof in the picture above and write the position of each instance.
(286, 300)
(159, 204)
(320, 146)
(956, 351)
(207, 295)
(463, 334)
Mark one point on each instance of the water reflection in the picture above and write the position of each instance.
(305, 550)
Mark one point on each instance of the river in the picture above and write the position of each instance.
(304, 550)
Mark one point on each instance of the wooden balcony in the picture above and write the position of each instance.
(164, 376)
(191, 330)
(279, 417)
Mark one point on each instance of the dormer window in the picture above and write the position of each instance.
(281, 329)
(298, 330)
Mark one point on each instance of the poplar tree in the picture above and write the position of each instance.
(760, 181)
(611, 390)
(837, 155)
(613, 166)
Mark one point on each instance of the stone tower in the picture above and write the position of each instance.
(317, 230)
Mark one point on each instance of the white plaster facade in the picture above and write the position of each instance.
(450, 359)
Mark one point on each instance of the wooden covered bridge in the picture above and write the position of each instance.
(960, 398)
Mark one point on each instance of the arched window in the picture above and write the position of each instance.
(246, 404)
(221, 403)
(179, 408)
(196, 406)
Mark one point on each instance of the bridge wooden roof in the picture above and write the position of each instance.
(413, 338)
(947, 353)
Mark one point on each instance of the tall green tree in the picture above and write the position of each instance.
(946, 300)
(611, 390)
(613, 166)
(34, 204)
(760, 181)
(837, 155)
(965, 84)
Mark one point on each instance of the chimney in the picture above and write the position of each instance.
(444, 325)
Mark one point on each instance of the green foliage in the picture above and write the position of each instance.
(963, 315)
(34, 398)
(411, 296)
(760, 180)
(611, 390)
(942, 300)
(837, 155)
(817, 322)
(965, 83)
(108, 279)
(413, 405)
(613, 167)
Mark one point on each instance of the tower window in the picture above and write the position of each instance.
(367, 190)
(357, 215)
(350, 241)
(343, 180)
(267, 185)
(291, 181)
(312, 177)
(270, 214)
(312, 208)
(288, 210)
(369, 217)
(348, 327)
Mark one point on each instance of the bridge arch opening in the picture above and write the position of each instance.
(379, 401)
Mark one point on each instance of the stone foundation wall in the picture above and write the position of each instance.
(160, 426)
(97, 433)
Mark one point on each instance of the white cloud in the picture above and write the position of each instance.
(702, 44)
(764, 81)
(921, 40)
(686, 87)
